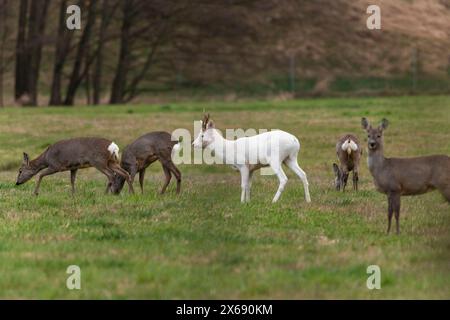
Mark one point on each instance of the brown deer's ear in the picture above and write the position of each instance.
(365, 123)
(336, 170)
(384, 124)
(26, 158)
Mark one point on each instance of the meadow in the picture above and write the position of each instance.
(205, 244)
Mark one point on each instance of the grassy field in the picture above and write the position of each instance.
(205, 243)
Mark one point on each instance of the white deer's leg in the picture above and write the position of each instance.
(283, 180)
(244, 182)
(293, 165)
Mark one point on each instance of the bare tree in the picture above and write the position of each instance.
(145, 27)
(62, 50)
(21, 56)
(82, 57)
(37, 22)
(32, 21)
(107, 12)
(3, 36)
(119, 83)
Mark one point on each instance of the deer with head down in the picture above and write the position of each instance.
(398, 177)
(71, 155)
(142, 153)
(349, 153)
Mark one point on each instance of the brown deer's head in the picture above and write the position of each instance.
(117, 184)
(374, 135)
(26, 171)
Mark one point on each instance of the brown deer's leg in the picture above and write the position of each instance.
(141, 180)
(344, 179)
(355, 180)
(46, 172)
(396, 208)
(109, 174)
(446, 193)
(171, 166)
(249, 186)
(108, 187)
(390, 212)
(73, 175)
(132, 173)
(168, 178)
(177, 174)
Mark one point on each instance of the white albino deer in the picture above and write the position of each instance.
(249, 154)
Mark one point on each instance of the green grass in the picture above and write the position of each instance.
(205, 243)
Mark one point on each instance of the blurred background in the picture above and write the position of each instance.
(144, 51)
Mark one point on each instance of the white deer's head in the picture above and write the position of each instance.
(206, 135)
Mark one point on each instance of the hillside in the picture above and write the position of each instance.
(253, 47)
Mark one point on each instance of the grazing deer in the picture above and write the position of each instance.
(249, 154)
(398, 177)
(74, 154)
(143, 152)
(349, 153)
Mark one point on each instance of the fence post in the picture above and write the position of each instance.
(414, 68)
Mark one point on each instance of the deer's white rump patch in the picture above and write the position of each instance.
(114, 149)
(349, 146)
(177, 147)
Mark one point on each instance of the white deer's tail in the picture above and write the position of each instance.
(114, 150)
(349, 145)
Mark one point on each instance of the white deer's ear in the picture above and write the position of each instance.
(384, 124)
(26, 158)
(210, 124)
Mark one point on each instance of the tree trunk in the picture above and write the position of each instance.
(3, 35)
(87, 76)
(61, 52)
(36, 28)
(97, 78)
(20, 72)
(77, 75)
(3, 10)
(2, 50)
(119, 83)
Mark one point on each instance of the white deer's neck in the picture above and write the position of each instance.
(220, 147)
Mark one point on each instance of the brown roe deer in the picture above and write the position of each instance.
(144, 151)
(71, 155)
(348, 151)
(398, 177)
